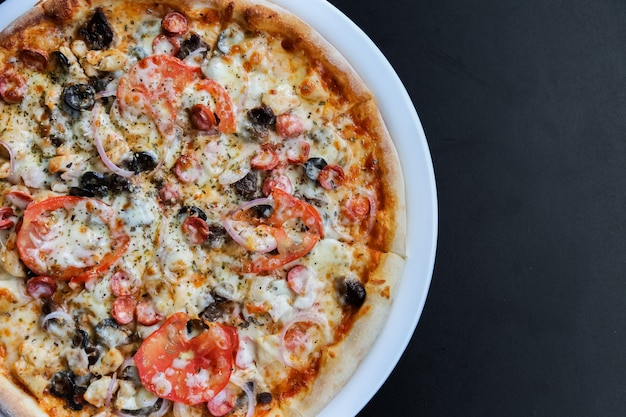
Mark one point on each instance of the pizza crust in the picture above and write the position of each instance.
(339, 362)
(269, 17)
(16, 402)
(390, 231)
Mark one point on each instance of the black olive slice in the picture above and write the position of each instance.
(313, 167)
(141, 162)
(262, 115)
(97, 33)
(248, 186)
(62, 385)
(352, 291)
(193, 211)
(191, 44)
(79, 96)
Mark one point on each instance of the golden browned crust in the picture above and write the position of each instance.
(390, 230)
(269, 17)
(340, 361)
(61, 9)
(16, 402)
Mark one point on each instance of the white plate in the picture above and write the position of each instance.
(408, 135)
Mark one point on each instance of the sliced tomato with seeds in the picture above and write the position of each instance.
(288, 207)
(62, 237)
(190, 370)
(153, 86)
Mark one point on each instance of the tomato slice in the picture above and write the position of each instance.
(61, 237)
(288, 251)
(287, 207)
(224, 105)
(187, 370)
(154, 85)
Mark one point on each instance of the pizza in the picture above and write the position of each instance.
(201, 212)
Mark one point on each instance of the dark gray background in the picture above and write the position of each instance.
(524, 107)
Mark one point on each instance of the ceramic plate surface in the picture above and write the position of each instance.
(408, 135)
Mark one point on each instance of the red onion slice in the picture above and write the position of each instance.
(127, 362)
(229, 224)
(265, 201)
(110, 389)
(11, 160)
(59, 314)
(303, 317)
(165, 406)
(231, 177)
(98, 142)
(105, 93)
(192, 59)
(246, 237)
(373, 211)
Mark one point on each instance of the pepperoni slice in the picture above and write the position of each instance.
(223, 403)
(169, 193)
(41, 287)
(196, 230)
(331, 177)
(175, 23)
(146, 314)
(356, 208)
(265, 160)
(34, 58)
(6, 220)
(167, 45)
(224, 107)
(297, 278)
(13, 87)
(188, 168)
(124, 284)
(289, 125)
(298, 151)
(18, 198)
(202, 118)
(124, 310)
(278, 181)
